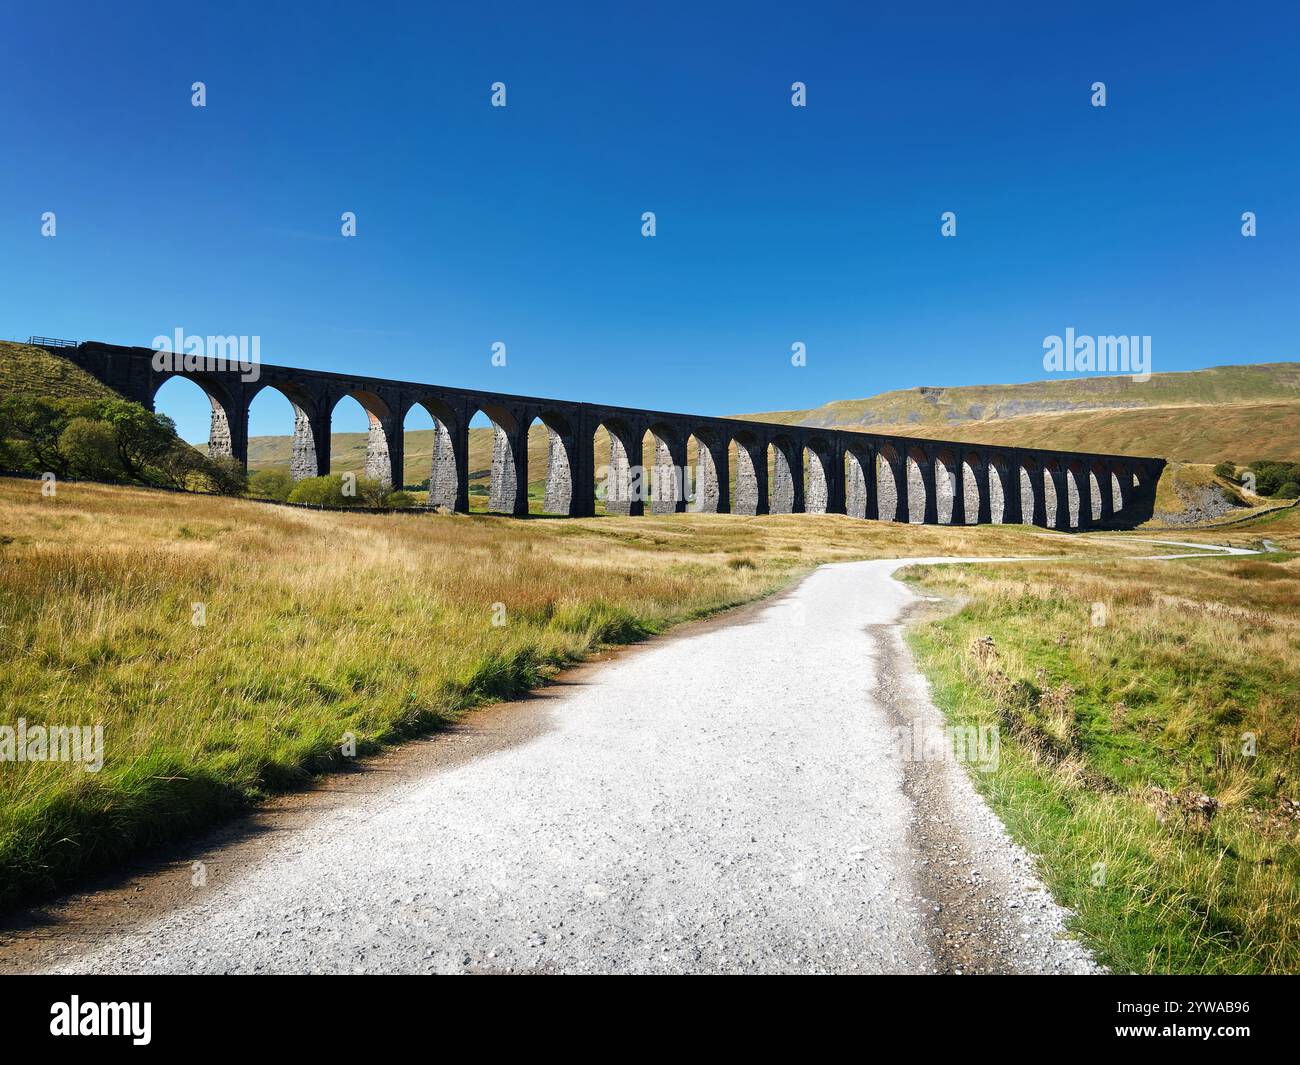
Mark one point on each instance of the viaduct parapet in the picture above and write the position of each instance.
(811, 470)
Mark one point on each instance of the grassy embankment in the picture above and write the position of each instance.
(1112, 734)
(319, 624)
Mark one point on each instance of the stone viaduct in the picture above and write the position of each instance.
(812, 470)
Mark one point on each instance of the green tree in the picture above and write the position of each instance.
(270, 484)
(321, 491)
(33, 427)
(90, 450)
(144, 438)
(226, 475)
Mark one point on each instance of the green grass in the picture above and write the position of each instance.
(1194, 654)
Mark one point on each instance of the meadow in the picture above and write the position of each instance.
(1150, 716)
(318, 624)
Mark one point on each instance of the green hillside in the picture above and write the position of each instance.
(25, 370)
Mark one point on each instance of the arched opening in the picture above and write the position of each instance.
(1050, 502)
(783, 460)
(429, 453)
(890, 496)
(1119, 492)
(498, 462)
(945, 486)
(553, 453)
(748, 467)
(282, 435)
(199, 410)
(1074, 495)
(1031, 493)
(360, 427)
(1098, 483)
(817, 471)
(916, 487)
(857, 462)
(999, 490)
(706, 455)
(620, 479)
(669, 475)
(970, 489)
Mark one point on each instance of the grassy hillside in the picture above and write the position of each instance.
(32, 371)
(1200, 416)
(937, 406)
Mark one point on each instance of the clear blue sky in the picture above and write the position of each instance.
(775, 224)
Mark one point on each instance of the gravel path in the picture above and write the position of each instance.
(730, 799)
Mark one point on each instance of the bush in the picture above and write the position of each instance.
(90, 450)
(320, 491)
(225, 475)
(1271, 476)
(328, 492)
(271, 484)
(181, 467)
(1290, 490)
(1226, 470)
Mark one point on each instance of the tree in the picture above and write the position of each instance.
(36, 425)
(270, 484)
(226, 475)
(90, 450)
(143, 437)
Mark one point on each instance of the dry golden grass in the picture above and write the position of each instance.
(320, 624)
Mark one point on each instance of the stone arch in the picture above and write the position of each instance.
(443, 479)
(816, 464)
(224, 428)
(918, 490)
(508, 472)
(379, 441)
(1001, 490)
(891, 496)
(1120, 487)
(945, 486)
(712, 490)
(1052, 503)
(974, 509)
(749, 463)
(668, 488)
(1078, 512)
(620, 479)
(1031, 492)
(783, 486)
(307, 456)
(560, 456)
(1098, 493)
(857, 495)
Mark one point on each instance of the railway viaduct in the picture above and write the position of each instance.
(812, 470)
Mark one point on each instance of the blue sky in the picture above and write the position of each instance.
(775, 224)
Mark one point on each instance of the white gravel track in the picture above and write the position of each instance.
(725, 800)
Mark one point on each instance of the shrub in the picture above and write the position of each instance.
(399, 500)
(270, 484)
(1290, 490)
(1226, 470)
(225, 475)
(90, 450)
(321, 491)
